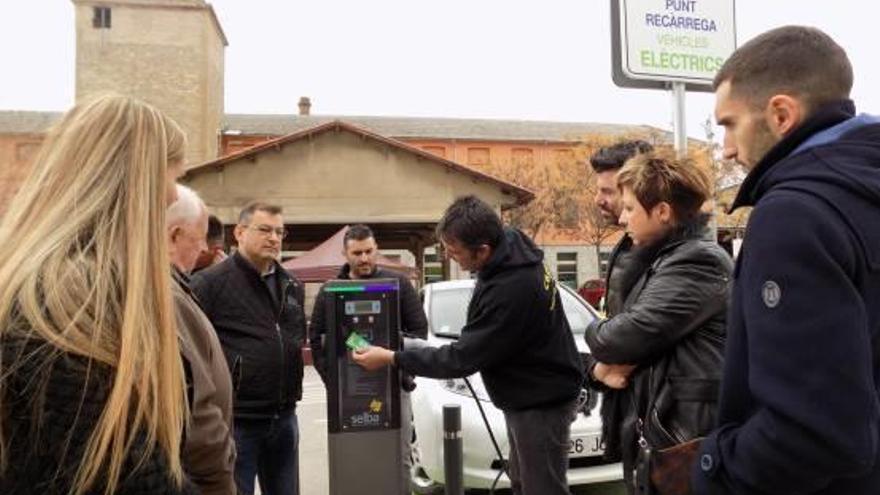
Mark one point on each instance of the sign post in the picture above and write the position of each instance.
(671, 44)
(679, 124)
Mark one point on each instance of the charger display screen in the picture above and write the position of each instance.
(362, 307)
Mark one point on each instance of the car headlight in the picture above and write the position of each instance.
(458, 386)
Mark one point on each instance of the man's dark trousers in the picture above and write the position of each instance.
(268, 450)
(539, 443)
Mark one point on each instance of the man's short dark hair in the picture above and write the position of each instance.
(613, 157)
(471, 222)
(798, 61)
(248, 211)
(215, 231)
(359, 232)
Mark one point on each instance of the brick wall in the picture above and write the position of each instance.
(16, 153)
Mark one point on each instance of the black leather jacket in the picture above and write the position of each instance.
(673, 327)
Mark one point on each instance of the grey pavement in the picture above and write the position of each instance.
(312, 412)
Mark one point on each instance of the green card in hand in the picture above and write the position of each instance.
(356, 342)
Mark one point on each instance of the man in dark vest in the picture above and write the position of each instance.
(624, 269)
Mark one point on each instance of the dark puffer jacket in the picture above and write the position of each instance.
(49, 411)
(261, 335)
(673, 327)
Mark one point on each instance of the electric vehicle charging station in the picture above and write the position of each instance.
(363, 407)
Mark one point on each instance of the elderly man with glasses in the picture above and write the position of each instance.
(257, 309)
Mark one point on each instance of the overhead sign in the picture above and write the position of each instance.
(671, 41)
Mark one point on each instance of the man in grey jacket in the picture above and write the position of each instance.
(208, 450)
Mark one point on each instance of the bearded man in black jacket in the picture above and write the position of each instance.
(361, 253)
(625, 266)
(516, 336)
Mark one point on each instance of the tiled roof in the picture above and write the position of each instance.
(20, 122)
(521, 194)
(436, 128)
(26, 122)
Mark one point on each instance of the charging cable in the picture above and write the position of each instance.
(501, 459)
(584, 397)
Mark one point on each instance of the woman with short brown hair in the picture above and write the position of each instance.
(659, 359)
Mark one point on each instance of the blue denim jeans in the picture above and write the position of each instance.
(267, 449)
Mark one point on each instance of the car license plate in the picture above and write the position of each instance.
(586, 445)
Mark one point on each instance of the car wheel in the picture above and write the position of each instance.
(420, 482)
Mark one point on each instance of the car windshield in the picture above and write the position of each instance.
(449, 311)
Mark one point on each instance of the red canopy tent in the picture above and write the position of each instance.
(324, 261)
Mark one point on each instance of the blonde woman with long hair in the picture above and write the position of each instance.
(92, 389)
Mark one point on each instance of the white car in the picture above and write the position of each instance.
(445, 304)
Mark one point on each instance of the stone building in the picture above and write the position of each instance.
(169, 53)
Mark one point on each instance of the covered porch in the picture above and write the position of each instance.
(337, 174)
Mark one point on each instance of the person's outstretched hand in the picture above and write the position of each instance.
(372, 358)
(613, 375)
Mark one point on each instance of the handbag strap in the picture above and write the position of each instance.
(640, 421)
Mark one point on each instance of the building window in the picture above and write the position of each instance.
(563, 156)
(567, 269)
(433, 268)
(604, 259)
(24, 152)
(101, 19)
(478, 156)
(523, 157)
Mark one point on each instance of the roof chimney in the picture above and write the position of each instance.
(305, 105)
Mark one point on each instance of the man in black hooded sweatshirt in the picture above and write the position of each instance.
(516, 336)
(800, 400)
